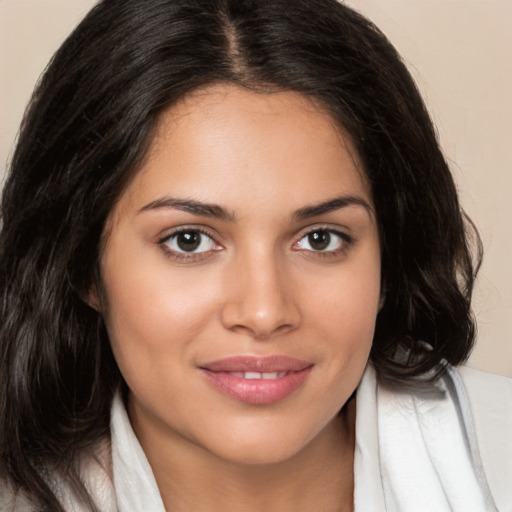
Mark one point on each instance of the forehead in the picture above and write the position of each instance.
(223, 142)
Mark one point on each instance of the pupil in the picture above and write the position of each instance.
(319, 240)
(189, 240)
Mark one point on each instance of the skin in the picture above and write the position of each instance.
(256, 286)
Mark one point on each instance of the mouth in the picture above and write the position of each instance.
(257, 375)
(257, 380)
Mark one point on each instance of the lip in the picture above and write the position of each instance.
(220, 374)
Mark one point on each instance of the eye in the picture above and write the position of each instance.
(323, 240)
(192, 241)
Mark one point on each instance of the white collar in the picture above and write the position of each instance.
(412, 451)
(416, 449)
(135, 485)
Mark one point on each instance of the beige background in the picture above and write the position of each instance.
(460, 52)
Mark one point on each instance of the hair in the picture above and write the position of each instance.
(88, 126)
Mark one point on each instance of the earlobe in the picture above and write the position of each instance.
(91, 292)
(91, 298)
(382, 299)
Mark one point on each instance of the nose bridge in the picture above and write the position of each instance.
(260, 300)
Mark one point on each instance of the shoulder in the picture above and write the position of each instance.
(474, 409)
(94, 469)
(490, 401)
(13, 500)
(482, 385)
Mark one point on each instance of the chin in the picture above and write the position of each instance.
(261, 454)
(261, 446)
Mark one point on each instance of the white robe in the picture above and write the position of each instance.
(449, 449)
(444, 449)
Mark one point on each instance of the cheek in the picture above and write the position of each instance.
(147, 295)
(349, 298)
(153, 315)
(344, 311)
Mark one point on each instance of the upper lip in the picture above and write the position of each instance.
(276, 363)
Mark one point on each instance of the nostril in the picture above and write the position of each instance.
(260, 323)
(260, 302)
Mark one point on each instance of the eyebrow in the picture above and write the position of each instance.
(218, 212)
(333, 204)
(191, 206)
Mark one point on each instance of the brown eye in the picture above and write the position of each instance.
(190, 241)
(323, 240)
(319, 240)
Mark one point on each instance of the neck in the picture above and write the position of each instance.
(319, 477)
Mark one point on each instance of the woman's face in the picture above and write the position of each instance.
(242, 276)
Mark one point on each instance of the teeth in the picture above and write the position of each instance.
(264, 375)
(252, 375)
(258, 375)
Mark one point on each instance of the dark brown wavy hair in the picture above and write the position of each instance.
(89, 124)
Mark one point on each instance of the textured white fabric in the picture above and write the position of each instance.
(96, 472)
(368, 491)
(447, 448)
(419, 451)
(491, 408)
(416, 451)
(135, 485)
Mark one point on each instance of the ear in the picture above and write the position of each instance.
(91, 292)
(91, 298)
(381, 302)
(382, 299)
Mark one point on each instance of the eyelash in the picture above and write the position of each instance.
(345, 240)
(185, 256)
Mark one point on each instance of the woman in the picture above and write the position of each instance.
(235, 275)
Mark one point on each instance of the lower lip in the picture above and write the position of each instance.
(257, 391)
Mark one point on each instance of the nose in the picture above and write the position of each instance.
(261, 300)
